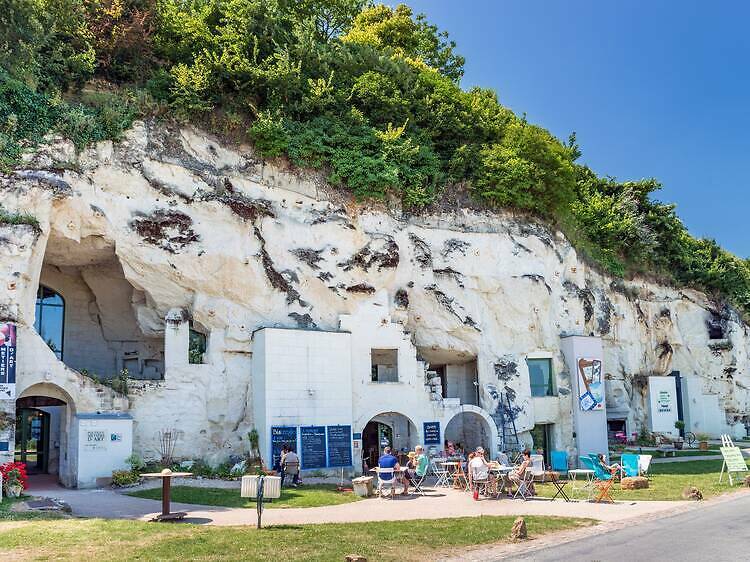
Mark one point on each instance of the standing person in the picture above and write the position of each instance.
(289, 465)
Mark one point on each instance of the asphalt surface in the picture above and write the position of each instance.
(712, 534)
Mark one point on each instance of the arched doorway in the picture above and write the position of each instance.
(388, 429)
(45, 416)
(38, 433)
(469, 430)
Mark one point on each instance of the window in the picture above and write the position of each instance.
(50, 318)
(197, 347)
(384, 365)
(540, 377)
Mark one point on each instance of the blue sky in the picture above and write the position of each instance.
(652, 88)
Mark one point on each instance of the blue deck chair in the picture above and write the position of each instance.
(559, 461)
(603, 480)
(629, 464)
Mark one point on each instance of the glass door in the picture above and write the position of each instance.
(32, 439)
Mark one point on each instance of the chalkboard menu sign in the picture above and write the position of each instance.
(432, 433)
(313, 440)
(339, 445)
(279, 436)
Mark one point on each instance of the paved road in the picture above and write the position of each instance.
(715, 533)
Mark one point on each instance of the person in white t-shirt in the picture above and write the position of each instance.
(479, 469)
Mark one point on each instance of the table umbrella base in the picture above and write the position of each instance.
(176, 516)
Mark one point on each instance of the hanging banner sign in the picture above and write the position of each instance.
(590, 384)
(7, 361)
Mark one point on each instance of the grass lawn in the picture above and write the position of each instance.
(100, 540)
(668, 480)
(314, 495)
(7, 515)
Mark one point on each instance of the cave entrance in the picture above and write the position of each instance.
(88, 313)
(469, 430)
(457, 371)
(389, 429)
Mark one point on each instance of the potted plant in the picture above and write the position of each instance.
(702, 439)
(680, 427)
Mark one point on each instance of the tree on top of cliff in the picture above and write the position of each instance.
(366, 93)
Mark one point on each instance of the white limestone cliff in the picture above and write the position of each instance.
(170, 219)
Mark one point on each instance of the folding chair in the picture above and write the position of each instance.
(387, 483)
(418, 482)
(559, 461)
(629, 463)
(603, 480)
(441, 473)
(537, 466)
(644, 463)
(523, 488)
(480, 483)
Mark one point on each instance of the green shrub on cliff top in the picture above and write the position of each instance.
(368, 93)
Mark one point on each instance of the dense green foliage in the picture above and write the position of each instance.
(368, 94)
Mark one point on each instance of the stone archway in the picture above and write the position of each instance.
(388, 428)
(58, 407)
(472, 427)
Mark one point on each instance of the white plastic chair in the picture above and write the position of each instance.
(537, 466)
(644, 462)
(480, 481)
(388, 483)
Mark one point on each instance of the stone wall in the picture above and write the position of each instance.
(240, 244)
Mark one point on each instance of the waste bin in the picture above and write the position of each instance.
(363, 486)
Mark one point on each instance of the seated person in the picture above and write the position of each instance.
(289, 465)
(417, 465)
(450, 449)
(387, 460)
(613, 469)
(516, 476)
(478, 468)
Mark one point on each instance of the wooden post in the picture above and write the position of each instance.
(166, 489)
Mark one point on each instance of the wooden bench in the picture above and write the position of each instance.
(667, 449)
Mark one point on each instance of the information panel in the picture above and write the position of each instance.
(432, 433)
(7, 361)
(339, 445)
(279, 436)
(313, 446)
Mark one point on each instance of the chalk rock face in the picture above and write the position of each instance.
(170, 219)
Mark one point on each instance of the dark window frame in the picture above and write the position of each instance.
(549, 387)
(39, 316)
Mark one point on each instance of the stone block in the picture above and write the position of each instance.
(634, 483)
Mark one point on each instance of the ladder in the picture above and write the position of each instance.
(507, 425)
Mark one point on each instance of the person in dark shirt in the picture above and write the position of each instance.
(387, 460)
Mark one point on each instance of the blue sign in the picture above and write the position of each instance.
(7, 361)
(432, 433)
(4, 445)
(281, 435)
(339, 445)
(313, 446)
(357, 437)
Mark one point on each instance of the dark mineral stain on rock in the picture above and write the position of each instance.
(167, 229)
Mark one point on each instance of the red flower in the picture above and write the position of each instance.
(19, 472)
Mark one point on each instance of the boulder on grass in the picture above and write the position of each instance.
(634, 483)
(518, 531)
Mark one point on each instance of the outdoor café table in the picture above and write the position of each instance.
(560, 486)
(502, 472)
(587, 474)
(166, 476)
(456, 472)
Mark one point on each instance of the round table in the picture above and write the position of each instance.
(166, 476)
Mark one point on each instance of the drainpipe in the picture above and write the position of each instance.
(678, 388)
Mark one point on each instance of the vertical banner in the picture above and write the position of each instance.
(7, 361)
(590, 384)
